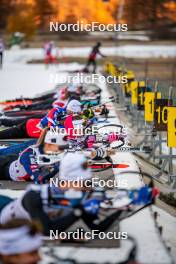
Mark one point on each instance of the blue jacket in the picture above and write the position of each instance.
(27, 167)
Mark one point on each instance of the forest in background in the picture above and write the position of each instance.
(32, 16)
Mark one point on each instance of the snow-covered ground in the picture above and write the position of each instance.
(17, 79)
(133, 51)
(37, 78)
(168, 223)
(20, 79)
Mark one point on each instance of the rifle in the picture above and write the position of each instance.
(52, 158)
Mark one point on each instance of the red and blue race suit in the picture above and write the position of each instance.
(26, 168)
(52, 118)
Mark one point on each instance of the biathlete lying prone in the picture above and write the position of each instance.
(58, 207)
(25, 166)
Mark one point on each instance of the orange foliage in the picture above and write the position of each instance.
(87, 11)
(172, 10)
(71, 11)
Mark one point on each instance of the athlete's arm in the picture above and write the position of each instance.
(32, 203)
(28, 161)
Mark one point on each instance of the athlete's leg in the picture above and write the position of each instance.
(1, 59)
(94, 66)
(44, 97)
(11, 121)
(47, 104)
(18, 131)
(33, 205)
(88, 64)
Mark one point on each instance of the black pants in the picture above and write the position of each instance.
(43, 105)
(32, 203)
(18, 131)
(44, 97)
(93, 63)
(1, 59)
(5, 162)
(8, 122)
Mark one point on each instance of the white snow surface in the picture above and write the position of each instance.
(133, 51)
(141, 225)
(20, 79)
(37, 78)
